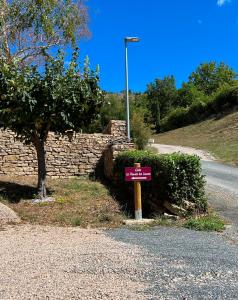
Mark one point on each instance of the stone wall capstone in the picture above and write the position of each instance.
(116, 128)
(69, 155)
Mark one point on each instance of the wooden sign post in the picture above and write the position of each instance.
(137, 197)
(137, 174)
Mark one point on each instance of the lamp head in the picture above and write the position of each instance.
(132, 39)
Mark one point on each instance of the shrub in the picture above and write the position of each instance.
(180, 117)
(197, 111)
(225, 99)
(175, 119)
(140, 131)
(175, 178)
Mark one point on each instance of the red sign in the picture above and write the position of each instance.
(138, 174)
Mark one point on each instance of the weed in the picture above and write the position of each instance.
(206, 223)
(143, 227)
(162, 221)
(76, 221)
(105, 217)
(61, 200)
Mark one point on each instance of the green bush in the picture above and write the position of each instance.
(225, 99)
(175, 119)
(180, 117)
(197, 111)
(175, 178)
(139, 130)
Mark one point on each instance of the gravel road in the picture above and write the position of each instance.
(183, 264)
(39, 262)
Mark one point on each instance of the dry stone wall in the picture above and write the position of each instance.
(111, 153)
(73, 154)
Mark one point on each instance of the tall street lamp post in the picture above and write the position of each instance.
(128, 40)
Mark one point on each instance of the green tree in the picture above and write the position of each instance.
(30, 27)
(209, 77)
(188, 94)
(140, 102)
(33, 103)
(113, 108)
(161, 95)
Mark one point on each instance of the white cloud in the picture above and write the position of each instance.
(220, 3)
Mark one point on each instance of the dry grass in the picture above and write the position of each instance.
(81, 203)
(218, 136)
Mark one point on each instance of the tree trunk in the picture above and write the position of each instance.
(40, 150)
(158, 119)
(4, 34)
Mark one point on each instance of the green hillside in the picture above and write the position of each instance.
(217, 135)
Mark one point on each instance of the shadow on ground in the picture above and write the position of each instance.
(15, 192)
(125, 198)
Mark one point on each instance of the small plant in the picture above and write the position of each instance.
(105, 217)
(61, 200)
(45, 203)
(76, 221)
(206, 223)
(163, 221)
(142, 227)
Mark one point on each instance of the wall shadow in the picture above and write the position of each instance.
(15, 192)
(121, 195)
(124, 195)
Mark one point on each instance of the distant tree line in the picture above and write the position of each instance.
(211, 88)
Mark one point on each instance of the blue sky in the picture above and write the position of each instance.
(176, 36)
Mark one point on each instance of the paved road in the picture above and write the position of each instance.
(223, 176)
(222, 181)
(222, 189)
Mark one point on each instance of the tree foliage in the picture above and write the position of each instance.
(188, 94)
(113, 108)
(162, 94)
(33, 103)
(209, 77)
(30, 27)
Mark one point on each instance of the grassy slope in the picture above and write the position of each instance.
(82, 203)
(218, 136)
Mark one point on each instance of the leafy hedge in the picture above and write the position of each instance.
(175, 178)
(225, 99)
